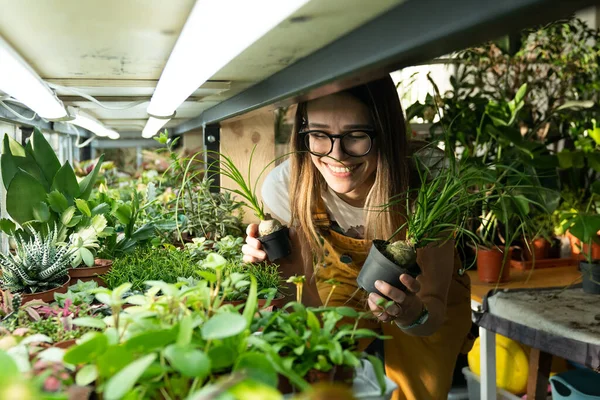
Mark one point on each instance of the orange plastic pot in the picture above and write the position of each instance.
(577, 247)
(539, 248)
(489, 266)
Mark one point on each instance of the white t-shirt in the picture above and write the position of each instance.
(276, 196)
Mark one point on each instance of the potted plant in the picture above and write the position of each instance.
(272, 234)
(585, 225)
(38, 269)
(436, 211)
(84, 242)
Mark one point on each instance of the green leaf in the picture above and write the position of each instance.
(594, 161)
(151, 340)
(251, 302)
(565, 159)
(86, 256)
(578, 159)
(114, 359)
(191, 362)
(7, 226)
(257, 367)
(347, 312)
(57, 201)
(576, 104)
(83, 207)
(252, 390)
(44, 155)
(8, 366)
(379, 372)
(124, 380)
(87, 183)
(223, 325)
(22, 196)
(123, 214)
(67, 215)
(86, 375)
(521, 93)
(41, 212)
(89, 322)
(65, 181)
(595, 134)
(87, 351)
(186, 329)
(312, 321)
(221, 357)
(101, 209)
(214, 261)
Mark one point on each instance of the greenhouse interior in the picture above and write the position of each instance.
(300, 199)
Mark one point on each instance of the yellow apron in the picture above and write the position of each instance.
(421, 366)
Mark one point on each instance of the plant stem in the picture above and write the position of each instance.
(329, 295)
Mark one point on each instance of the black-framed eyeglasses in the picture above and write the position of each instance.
(356, 143)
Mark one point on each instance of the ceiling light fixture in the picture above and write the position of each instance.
(90, 123)
(20, 81)
(205, 46)
(153, 126)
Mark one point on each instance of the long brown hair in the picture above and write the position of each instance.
(391, 175)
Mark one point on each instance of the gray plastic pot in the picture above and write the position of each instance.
(379, 267)
(591, 275)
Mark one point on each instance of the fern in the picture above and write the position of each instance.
(38, 264)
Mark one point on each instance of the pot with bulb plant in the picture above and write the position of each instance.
(273, 235)
(439, 208)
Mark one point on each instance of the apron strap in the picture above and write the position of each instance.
(320, 216)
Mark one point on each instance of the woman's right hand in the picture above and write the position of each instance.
(252, 250)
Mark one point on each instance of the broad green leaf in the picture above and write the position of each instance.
(83, 207)
(7, 226)
(8, 366)
(312, 321)
(565, 159)
(65, 181)
(86, 375)
(251, 302)
(87, 184)
(576, 104)
(74, 221)
(223, 325)
(191, 362)
(114, 359)
(595, 134)
(594, 161)
(578, 159)
(151, 340)
(186, 329)
(124, 380)
(41, 212)
(253, 390)
(521, 93)
(104, 298)
(123, 214)
(11, 146)
(86, 256)
(257, 367)
(221, 357)
(22, 196)
(44, 155)
(144, 232)
(214, 261)
(379, 372)
(347, 312)
(89, 322)
(101, 209)
(57, 201)
(87, 351)
(120, 290)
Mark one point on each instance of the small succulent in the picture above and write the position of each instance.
(85, 241)
(39, 264)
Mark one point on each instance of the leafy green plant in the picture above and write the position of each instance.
(38, 189)
(85, 241)
(151, 263)
(585, 224)
(39, 264)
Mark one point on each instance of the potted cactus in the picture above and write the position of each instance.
(38, 269)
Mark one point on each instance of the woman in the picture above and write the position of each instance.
(357, 159)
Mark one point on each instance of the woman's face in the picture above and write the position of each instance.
(350, 177)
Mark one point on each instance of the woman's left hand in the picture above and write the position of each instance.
(407, 305)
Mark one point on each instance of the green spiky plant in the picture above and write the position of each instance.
(39, 264)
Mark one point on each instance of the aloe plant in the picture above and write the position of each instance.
(39, 264)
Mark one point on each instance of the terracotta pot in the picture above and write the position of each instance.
(85, 274)
(576, 248)
(48, 295)
(489, 266)
(65, 344)
(539, 248)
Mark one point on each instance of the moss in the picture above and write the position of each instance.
(401, 253)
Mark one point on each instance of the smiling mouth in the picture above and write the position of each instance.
(341, 170)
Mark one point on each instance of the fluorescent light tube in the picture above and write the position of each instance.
(20, 81)
(90, 123)
(153, 126)
(112, 134)
(206, 45)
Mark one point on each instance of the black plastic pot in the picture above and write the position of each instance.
(379, 267)
(591, 277)
(277, 244)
